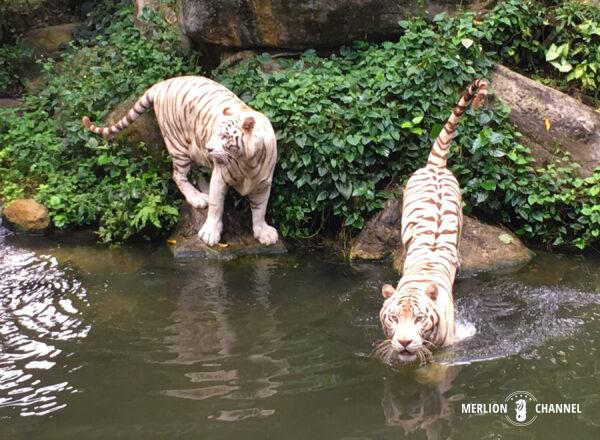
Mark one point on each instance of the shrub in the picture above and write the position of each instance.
(83, 180)
(353, 126)
(11, 57)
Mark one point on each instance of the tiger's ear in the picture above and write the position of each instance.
(227, 111)
(432, 291)
(387, 290)
(248, 123)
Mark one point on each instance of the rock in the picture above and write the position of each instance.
(237, 238)
(574, 127)
(381, 235)
(10, 103)
(169, 15)
(27, 215)
(50, 40)
(304, 23)
(482, 247)
(144, 129)
(22, 15)
(43, 42)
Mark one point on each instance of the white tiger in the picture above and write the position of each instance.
(204, 123)
(418, 314)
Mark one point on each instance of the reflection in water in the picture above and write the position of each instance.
(278, 346)
(417, 403)
(38, 311)
(231, 339)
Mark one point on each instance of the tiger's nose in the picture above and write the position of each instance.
(209, 149)
(405, 342)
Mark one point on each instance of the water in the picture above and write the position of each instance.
(129, 343)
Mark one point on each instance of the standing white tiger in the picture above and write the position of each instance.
(418, 314)
(203, 122)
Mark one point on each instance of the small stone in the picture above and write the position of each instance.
(27, 215)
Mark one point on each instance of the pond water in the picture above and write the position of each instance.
(130, 343)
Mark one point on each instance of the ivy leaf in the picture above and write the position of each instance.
(467, 42)
(496, 138)
(484, 118)
(345, 189)
(553, 52)
(417, 119)
(489, 185)
(563, 67)
(353, 139)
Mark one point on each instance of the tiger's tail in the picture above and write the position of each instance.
(142, 104)
(475, 95)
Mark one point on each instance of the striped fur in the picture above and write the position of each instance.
(418, 315)
(204, 123)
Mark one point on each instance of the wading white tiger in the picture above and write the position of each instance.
(418, 314)
(204, 123)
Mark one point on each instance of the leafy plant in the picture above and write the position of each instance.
(11, 58)
(353, 126)
(83, 180)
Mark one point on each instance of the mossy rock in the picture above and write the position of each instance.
(144, 129)
(237, 239)
(27, 215)
(482, 247)
(50, 40)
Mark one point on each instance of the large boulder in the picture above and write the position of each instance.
(49, 40)
(381, 235)
(549, 119)
(303, 23)
(168, 14)
(22, 15)
(482, 247)
(237, 239)
(144, 129)
(27, 215)
(10, 103)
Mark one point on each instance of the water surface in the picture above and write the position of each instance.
(130, 343)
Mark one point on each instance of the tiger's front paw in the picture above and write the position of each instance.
(198, 200)
(266, 234)
(210, 233)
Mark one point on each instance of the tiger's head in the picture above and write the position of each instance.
(409, 320)
(229, 138)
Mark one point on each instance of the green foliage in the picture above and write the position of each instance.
(11, 57)
(83, 180)
(353, 126)
(557, 40)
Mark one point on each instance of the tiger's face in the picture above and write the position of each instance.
(228, 140)
(408, 319)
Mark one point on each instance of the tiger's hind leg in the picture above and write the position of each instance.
(181, 167)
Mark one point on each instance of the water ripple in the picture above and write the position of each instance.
(39, 308)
